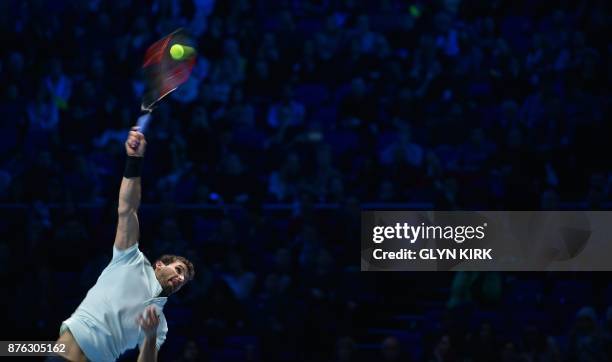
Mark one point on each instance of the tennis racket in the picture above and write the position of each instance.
(167, 64)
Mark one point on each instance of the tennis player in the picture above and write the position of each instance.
(124, 308)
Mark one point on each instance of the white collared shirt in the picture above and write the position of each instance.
(104, 325)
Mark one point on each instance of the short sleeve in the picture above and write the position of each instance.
(126, 256)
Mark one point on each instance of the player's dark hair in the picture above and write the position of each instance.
(169, 259)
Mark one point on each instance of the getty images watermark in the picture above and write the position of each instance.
(412, 233)
(486, 240)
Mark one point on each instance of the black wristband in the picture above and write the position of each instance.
(133, 167)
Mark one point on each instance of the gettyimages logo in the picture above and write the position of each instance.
(412, 233)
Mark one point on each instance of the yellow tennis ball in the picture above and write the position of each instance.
(177, 52)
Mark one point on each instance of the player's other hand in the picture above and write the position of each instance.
(149, 322)
(136, 143)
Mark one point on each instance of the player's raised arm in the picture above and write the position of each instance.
(129, 194)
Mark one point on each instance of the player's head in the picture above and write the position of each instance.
(173, 272)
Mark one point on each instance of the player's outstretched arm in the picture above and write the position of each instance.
(129, 193)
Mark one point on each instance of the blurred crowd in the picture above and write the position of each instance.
(296, 114)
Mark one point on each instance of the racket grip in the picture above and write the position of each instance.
(143, 122)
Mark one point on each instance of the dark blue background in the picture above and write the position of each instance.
(299, 114)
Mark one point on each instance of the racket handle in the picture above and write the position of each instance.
(143, 122)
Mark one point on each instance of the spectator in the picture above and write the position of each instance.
(283, 184)
(403, 152)
(443, 351)
(58, 84)
(392, 350)
(240, 281)
(288, 112)
(586, 342)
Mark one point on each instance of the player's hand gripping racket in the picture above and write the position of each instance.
(167, 64)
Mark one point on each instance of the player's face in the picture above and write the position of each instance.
(172, 277)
